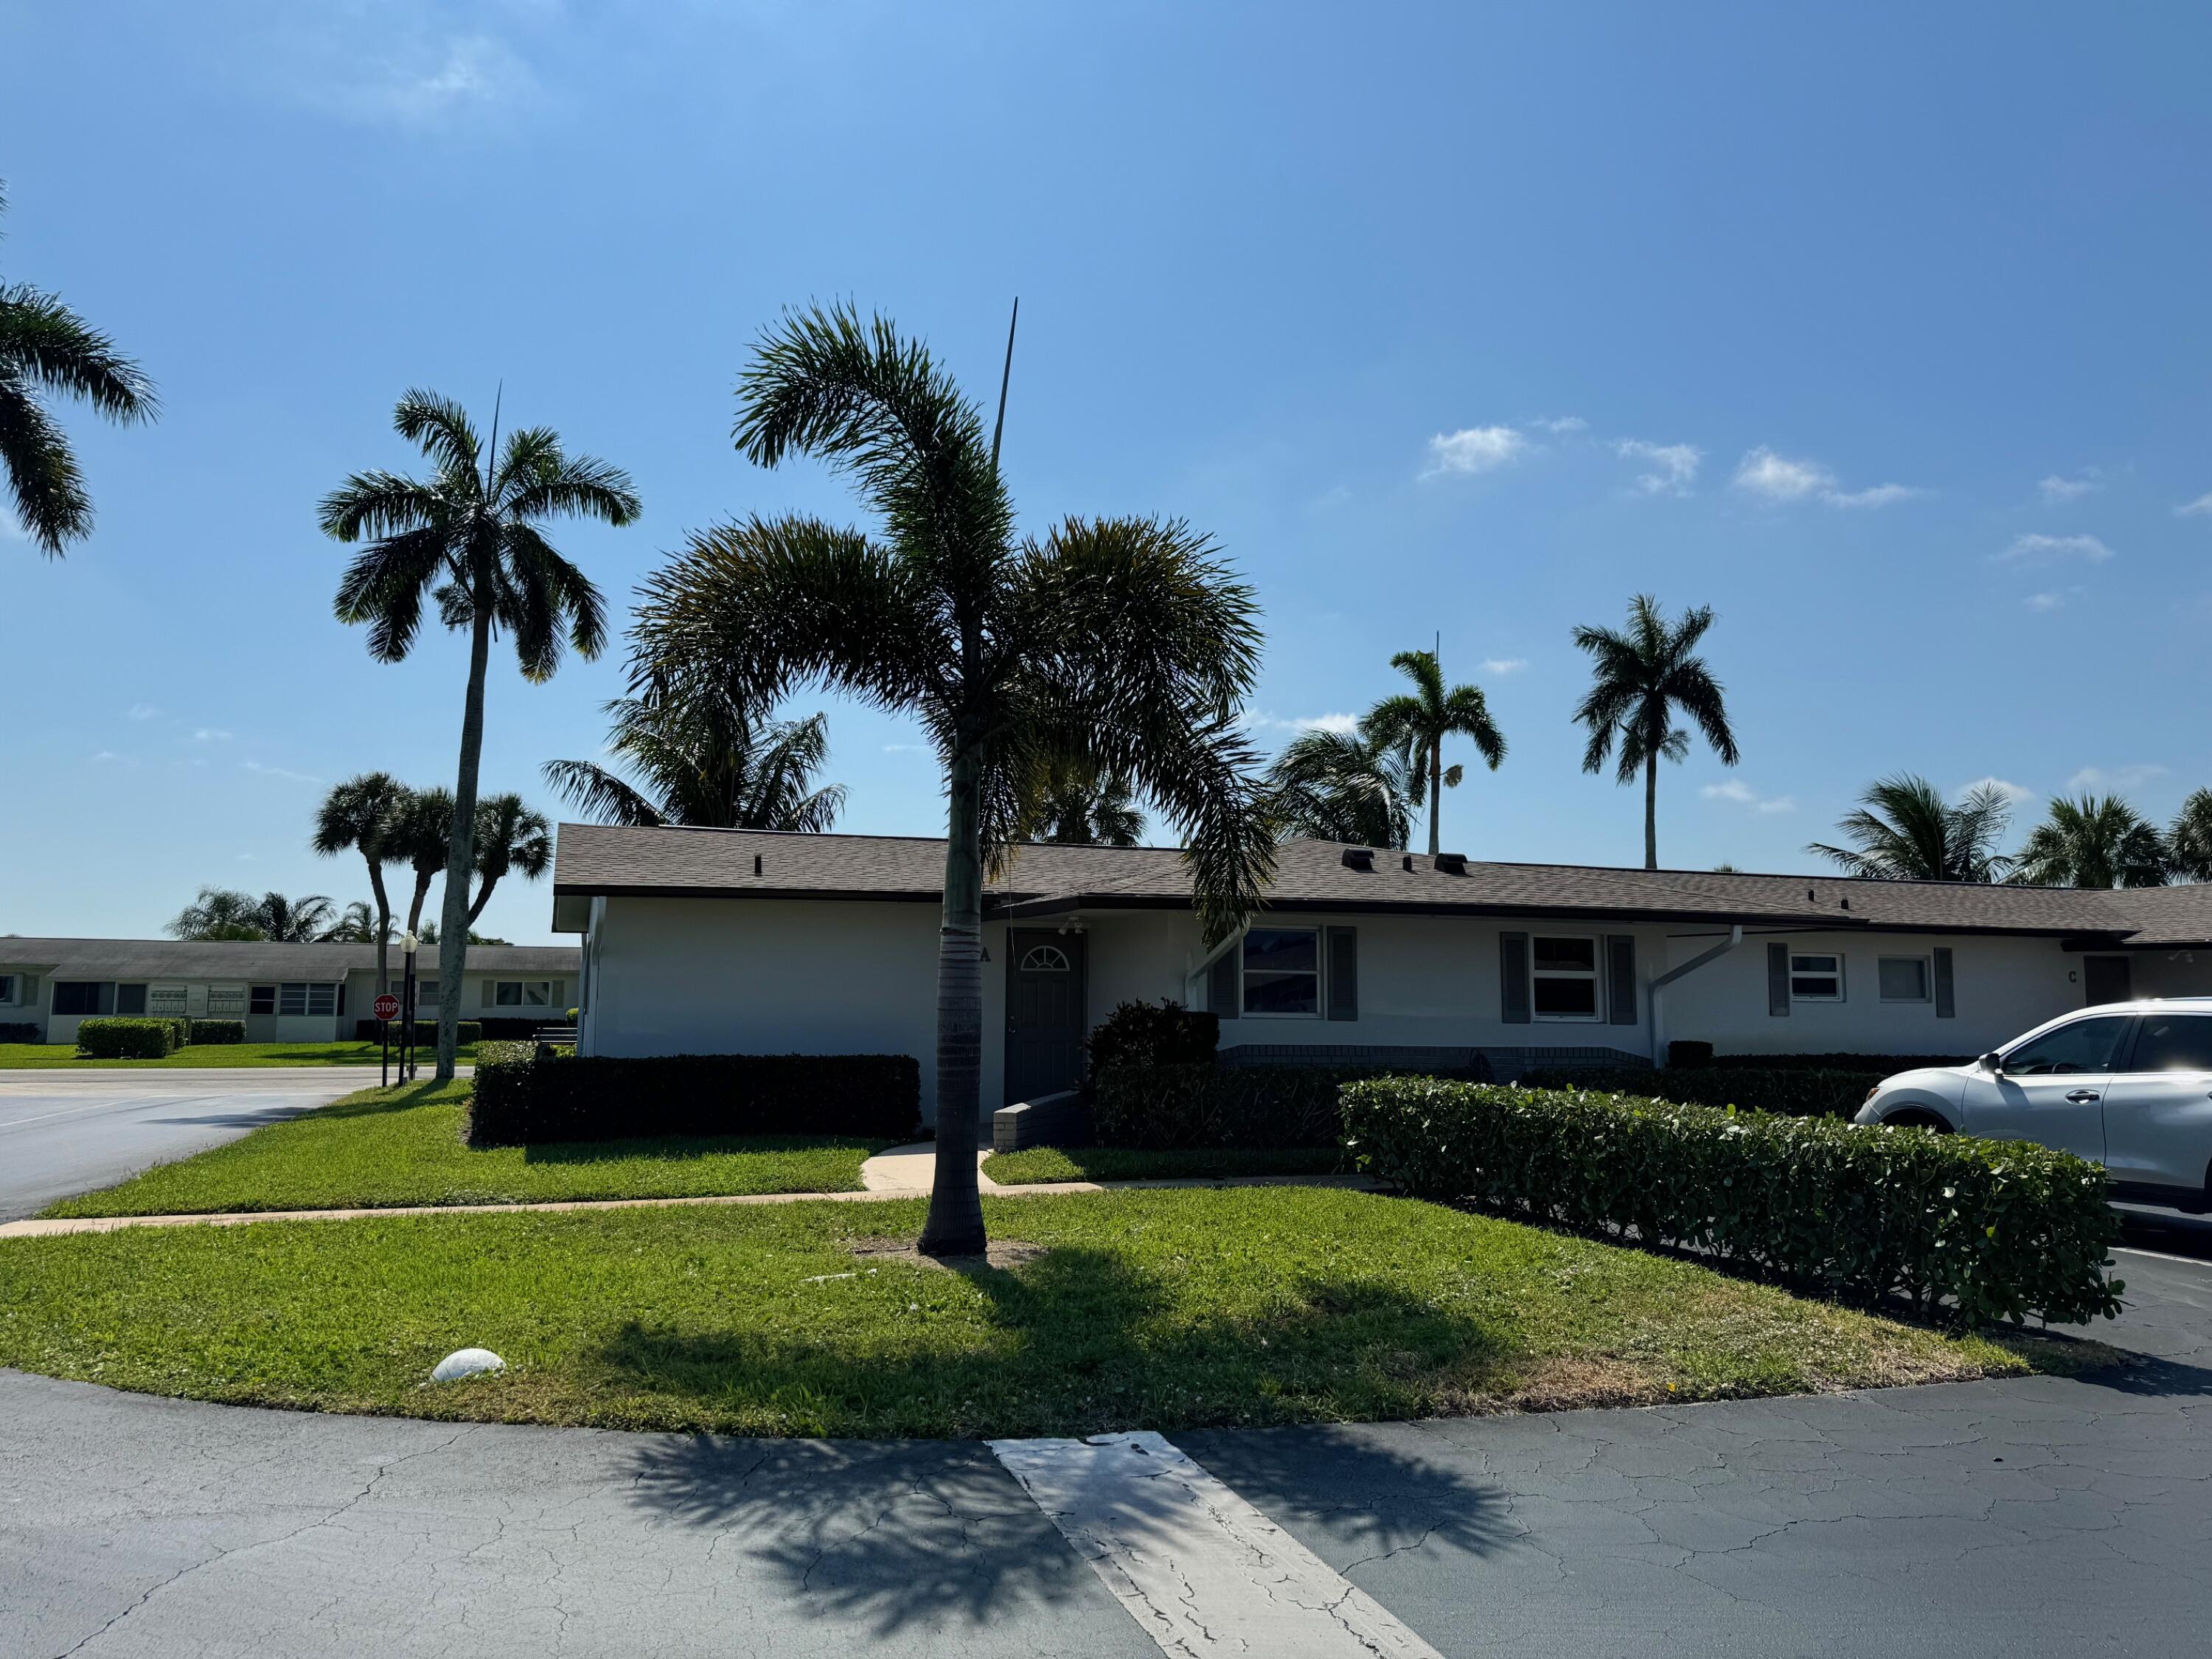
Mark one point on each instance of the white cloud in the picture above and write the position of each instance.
(1777, 479)
(1474, 449)
(141, 711)
(2200, 507)
(1343, 725)
(2012, 792)
(2058, 488)
(2036, 548)
(1561, 425)
(2048, 601)
(106, 755)
(1673, 466)
(398, 64)
(1887, 494)
(1736, 790)
(2115, 777)
(906, 749)
(1330, 499)
(1503, 665)
(285, 773)
(212, 734)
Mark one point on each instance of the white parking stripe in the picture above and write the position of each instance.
(1201, 1570)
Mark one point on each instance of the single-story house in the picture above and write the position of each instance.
(713, 940)
(284, 992)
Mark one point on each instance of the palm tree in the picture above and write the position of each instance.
(510, 837)
(420, 835)
(47, 349)
(1641, 677)
(1903, 829)
(297, 921)
(1122, 644)
(1084, 807)
(703, 760)
(2189, 842)
(357, 816)
(358, 925)
(219, 912)
(1416, 724)
(2094, 841)
(468, 536)
(1340, 786)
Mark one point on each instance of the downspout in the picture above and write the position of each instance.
(1652, 990)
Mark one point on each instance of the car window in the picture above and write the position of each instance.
(2086, 1045)
(2173, 1043)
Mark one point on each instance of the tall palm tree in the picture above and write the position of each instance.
(219, 912)
(703, 760)
(420, 835)
(1903, 829)
(1640, 677)
(1340, 786)
(2094, 841)
(1124, 644)
(468, 536)
(1084, 807)
(2189, 842)
(511, 838)
(47, 349)
(1416, 724)
(357, 816)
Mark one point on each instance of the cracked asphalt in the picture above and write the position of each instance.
(2040, 1516)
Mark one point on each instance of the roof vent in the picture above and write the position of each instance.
(1359, 858)
(1451, 864)
(1810, 899)
(1407, 861)
(1846, 903)
(756, 864)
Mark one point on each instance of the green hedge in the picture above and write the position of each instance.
(22, 1033)
(1797, 1094)
(1153, 1034)
(522, 1100)
(218, 1031)
(1886, 1065)
(126, 1039)
(1162, 1108)
(1997, 1229)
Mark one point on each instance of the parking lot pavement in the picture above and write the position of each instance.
(63, 1132)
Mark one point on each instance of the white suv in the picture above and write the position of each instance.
(2126, 1084)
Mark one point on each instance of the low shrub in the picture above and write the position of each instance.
(1165, 1107)
(522, 1099)
(1687, 1053)
(1795, 1094)
(218, 1031)
(1886, 1064)
(126, 1039)
(1994, 1230)
(426, 1032)
(1163, 1033)
(22, 1034)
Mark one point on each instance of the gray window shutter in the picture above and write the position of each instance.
(1343, 973)
(1221, 985)
(1778, 980)
(1620, 959)
(1513, 978)
(1947, 1006)
(561, 994)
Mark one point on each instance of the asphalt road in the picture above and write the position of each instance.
(69, 1131)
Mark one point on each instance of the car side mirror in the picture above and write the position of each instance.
(1992, 1063)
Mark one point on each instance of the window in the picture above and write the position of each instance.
(1282, 971)
(261, 999)
(1044, 959)
(538, 993)
(1563, 977)
(1904, 979)
(2173, 1043)
(83, 996)
(297, 998)
(426, 990)
(1816, 977)
(7, 987)
(2086, 1045)
(130, 999)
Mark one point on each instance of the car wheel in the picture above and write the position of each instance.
(1917, 1117)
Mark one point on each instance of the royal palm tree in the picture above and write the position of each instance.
(47, 349)
(1084, 807)
(1641, 676)
(1340, 786)
(510, 838)
(2189, 842)
(357, 816)
(1416, 724)
(1903, 829)
(468, 536)
(2094, 841)
(1123, 644)
(703, 760)
(219, 912)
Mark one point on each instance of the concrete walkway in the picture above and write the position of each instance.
(911, 1172)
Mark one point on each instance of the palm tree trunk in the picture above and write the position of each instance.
(383, 928)
(483, 898)
(1651, 810)
(955, 1226)
(1435, 794)
(460, 854)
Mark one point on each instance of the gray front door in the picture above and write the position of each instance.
(1044, 1013)
(2107, 978)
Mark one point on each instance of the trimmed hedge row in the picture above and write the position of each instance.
(218, 1031)
(1998, 1230)
(1795, 1094)
(22, 1034)
(426, 1032)
(1168, 1108)
(522, 1099)
(1887, 1064)
(127, 1038)
(1163, 1033)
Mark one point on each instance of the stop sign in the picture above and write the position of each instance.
(386, 1007)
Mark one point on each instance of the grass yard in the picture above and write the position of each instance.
(1165, 1310)
(376, 1149)
(1043, 1164)
(44, 1056)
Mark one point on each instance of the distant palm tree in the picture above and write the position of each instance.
(297, 921)
(357, 816)
(1416, 724)
(1905, 830)
(47, 349)
(1083, 807)
(703, 761)
(1125, 643)
(468, 537)
(219, 912)
(2094, 841)
(1339, 785)
(510, 838)
(1641, 677)
(357, 926)
(2189, 842)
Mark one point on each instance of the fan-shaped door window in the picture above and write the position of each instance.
(1044, 959)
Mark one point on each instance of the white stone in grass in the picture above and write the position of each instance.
(467, 1362)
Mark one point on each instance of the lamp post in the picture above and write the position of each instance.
(407, 944)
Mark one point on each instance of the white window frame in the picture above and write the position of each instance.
(1842, 984)
(1596, 977)
(1927, 982)
(1245, 1010)
(522, 989)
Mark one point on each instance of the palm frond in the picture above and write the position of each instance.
(597, 792)
(44, 483)
(51, 346)
(441, 428)
(383, 587)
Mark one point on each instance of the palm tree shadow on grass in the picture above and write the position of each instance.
(679, 1148)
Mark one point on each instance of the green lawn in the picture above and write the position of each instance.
(376, 1149)
(1166, 1310)
(34, 1056)
(1043, 1164)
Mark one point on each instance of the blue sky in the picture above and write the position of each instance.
(1881, 330)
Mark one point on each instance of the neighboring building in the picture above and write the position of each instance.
(284, 992)
(709, 940)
